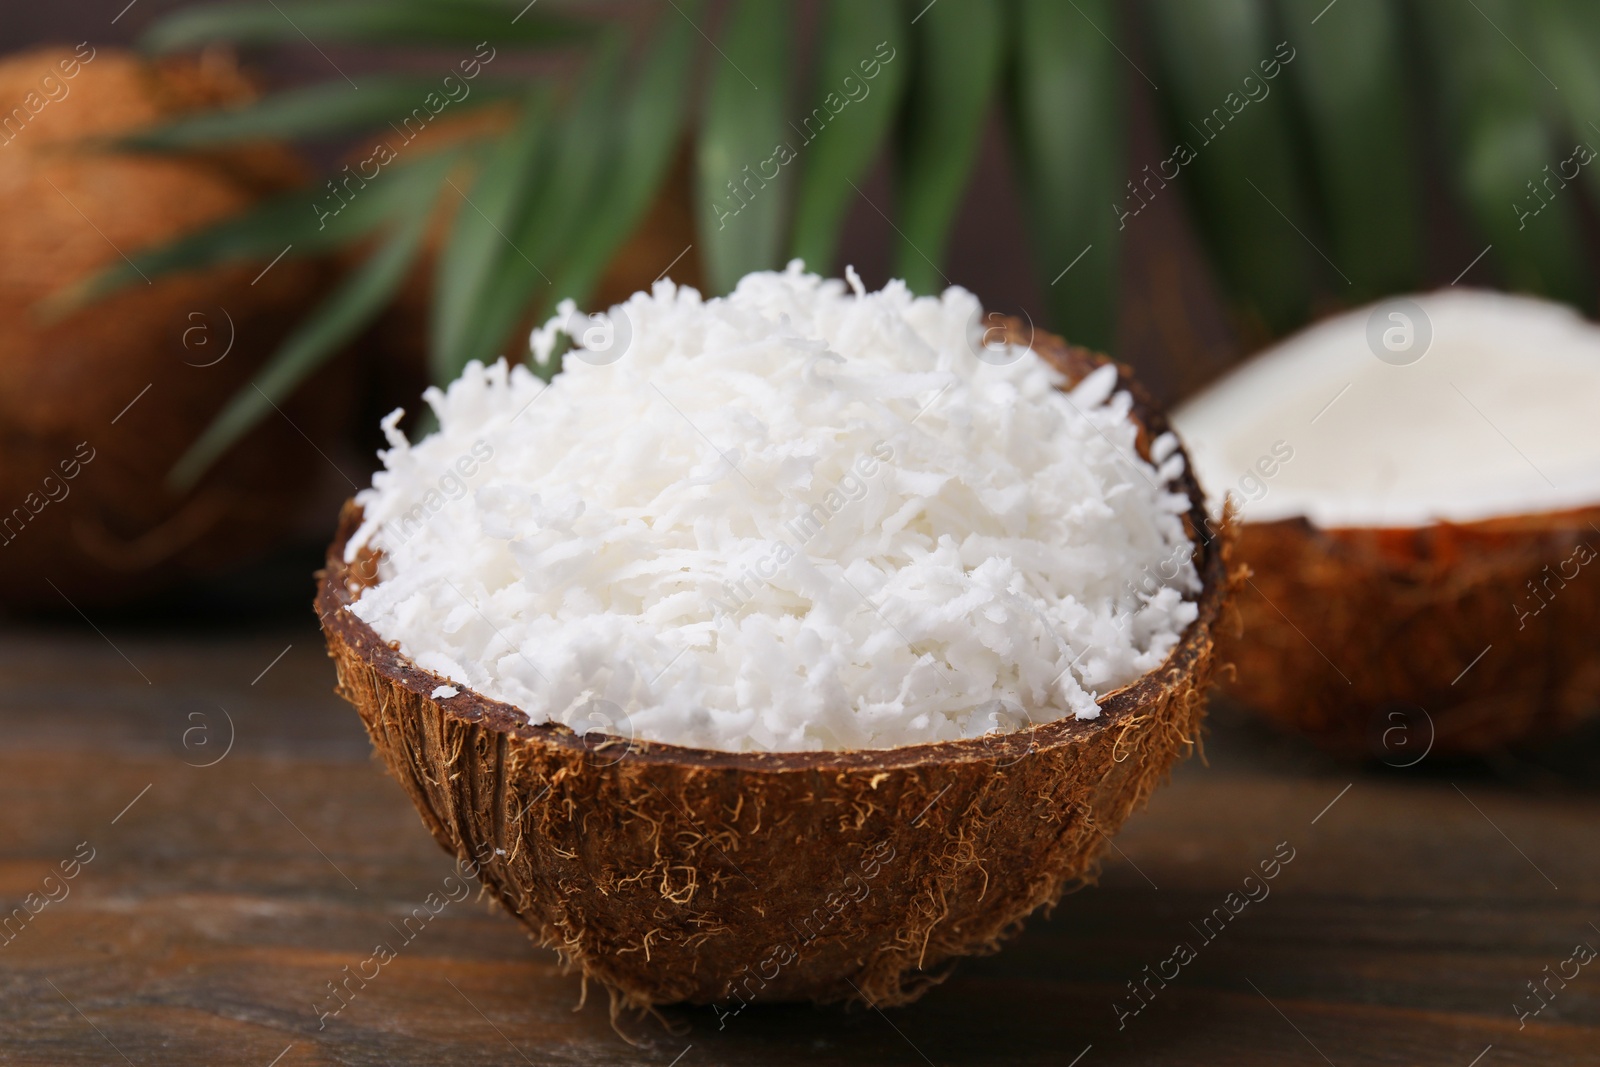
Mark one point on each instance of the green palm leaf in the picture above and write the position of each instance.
(1348, 76)
(844, 132)
(1567, 40)
(1503, 143)
(1241, 173)
(477, 243)
(416, 22)
(552, 199)
(354, 304)
(298, 223)
(1069, 112)
(957, 49)
(647, 137)
(560, 192)
(744, 159)
(330, 107)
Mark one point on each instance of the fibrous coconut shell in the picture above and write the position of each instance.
(1384, 642)
(671, 874)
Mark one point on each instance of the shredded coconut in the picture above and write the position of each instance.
(800, 517)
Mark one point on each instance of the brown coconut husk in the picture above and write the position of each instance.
(670, 874)
(115, 530)
(1368, 640)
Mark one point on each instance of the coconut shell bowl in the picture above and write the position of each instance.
(669, 874)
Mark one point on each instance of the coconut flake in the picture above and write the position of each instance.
(801, 517)
(444, 692)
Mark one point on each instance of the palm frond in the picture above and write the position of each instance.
(1070, 120)
(1501, 135)
(1299, 159)
(405, 22)
(314, 111)
(561, 192)
(745, 151)
(643, 143)
(499, 198)
(297, 223)
(861, 75)
(957, 48)
(1348, 77)
(330, 326)
(1234, 153)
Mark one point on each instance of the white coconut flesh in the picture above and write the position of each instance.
(801, 517)
(1499, 417)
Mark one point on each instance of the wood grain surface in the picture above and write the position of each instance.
(230, 885)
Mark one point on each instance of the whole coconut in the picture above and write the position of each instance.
(96, 407)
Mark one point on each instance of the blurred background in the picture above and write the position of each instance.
(238, 235)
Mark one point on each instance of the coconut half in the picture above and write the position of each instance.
(671, 874)
(1419, 488)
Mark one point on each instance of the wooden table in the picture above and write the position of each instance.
(221, 900)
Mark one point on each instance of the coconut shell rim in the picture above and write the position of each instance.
(1495, 525)
(335, 585)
